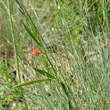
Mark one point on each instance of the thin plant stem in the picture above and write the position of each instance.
(15, 50)
(14, 42)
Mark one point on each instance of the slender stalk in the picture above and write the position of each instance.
(14, 42)
(15, 50)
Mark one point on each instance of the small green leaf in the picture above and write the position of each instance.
(30, 33)
(44, 73)
(33, 82)
(34, 28)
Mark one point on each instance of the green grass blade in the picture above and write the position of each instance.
(44, 73)
(33, 25)
(31, 34)
(33, 82)
(34, 28)
(51, 64)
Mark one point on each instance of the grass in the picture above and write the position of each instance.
(73, 70)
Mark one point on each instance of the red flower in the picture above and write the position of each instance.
(36, 52)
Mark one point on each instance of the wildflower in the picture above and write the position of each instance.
(36, 52)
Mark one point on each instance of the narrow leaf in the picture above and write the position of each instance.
(44, 73)
(31, 34)
(33, 82)
(36, 32)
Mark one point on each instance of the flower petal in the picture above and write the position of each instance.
(35, 52)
